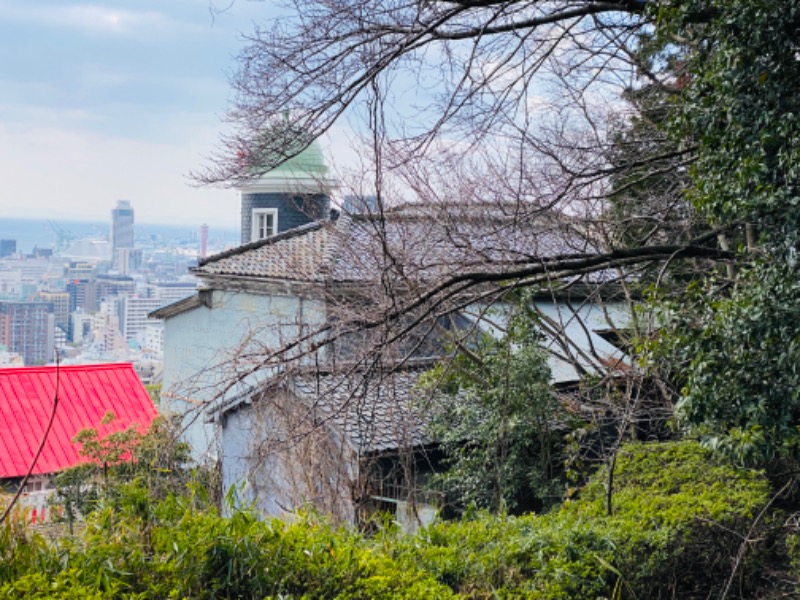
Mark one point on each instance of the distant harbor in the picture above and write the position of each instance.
(43, 233)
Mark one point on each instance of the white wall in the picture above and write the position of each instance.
(212, 354)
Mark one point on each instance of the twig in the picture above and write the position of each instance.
(747, 539)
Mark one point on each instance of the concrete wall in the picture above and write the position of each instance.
(204, 348)
(278, 459)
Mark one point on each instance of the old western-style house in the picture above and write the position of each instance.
(294, 367)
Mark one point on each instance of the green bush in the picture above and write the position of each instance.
(135, 548)
(673, 533)
(678, 513)
(678, 510)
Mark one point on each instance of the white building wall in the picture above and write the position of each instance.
(154, 338)
(315, 471)
(134, 315)
(204, 354)
(80, 320)
(570, 334)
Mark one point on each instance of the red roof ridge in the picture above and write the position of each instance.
(87, 366)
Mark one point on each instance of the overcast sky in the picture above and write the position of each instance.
(116, 100)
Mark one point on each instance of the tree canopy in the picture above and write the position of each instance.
(667, 128)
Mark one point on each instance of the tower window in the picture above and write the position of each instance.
(265, 223)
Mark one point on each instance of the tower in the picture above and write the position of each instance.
(203, 240)
(121, 234)
(293, 194)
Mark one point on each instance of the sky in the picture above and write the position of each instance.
(101, 101)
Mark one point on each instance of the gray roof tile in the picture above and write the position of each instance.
(413, 243)
(298, 255)
(374, 413)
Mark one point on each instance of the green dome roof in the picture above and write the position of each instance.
(309, 162)
(305, 173)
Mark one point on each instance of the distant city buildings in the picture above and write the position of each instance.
(60, 303)
(10, 285)
(8, 248)
(134, 318)
(81, 286)
(89, 300)
(28, 329)
(10, 359)
(168, 292)
(81, 327)
(154, 338)
(114, 285)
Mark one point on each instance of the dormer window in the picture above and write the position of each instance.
(265, 223)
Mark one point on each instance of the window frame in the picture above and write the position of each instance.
(256, 216)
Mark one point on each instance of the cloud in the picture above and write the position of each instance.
(92, 18)
(69, 174)
(116, 100)
(66, 173)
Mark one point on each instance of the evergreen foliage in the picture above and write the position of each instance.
(731, 340)
(494, 413)
(681, 514)
(737, 360)
(678, 512)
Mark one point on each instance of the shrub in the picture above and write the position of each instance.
(678, 512)
(673, 533)
(137, 548)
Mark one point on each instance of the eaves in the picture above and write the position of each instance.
(263, 285)
(201, 298)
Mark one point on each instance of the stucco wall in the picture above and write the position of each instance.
(280, 460)
(203, 350)
(569, 330)
(580, 321)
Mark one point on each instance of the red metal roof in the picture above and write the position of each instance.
(86, 394)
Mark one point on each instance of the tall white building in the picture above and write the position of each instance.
(122, 235)
(134, 318)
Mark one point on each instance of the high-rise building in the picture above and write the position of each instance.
(121, 232)
(134, 315)
(203, 240)
(60, 302)
(114, 285)
(79, 270)
(81, 286)
(27, 328)
(82, 294)
(106, 325)
(171, 291)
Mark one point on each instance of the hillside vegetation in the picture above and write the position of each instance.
(686, 524)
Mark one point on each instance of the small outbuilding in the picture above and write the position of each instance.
(85, 395)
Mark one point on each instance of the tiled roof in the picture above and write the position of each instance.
(298, 254)
(373, 413)
(413, 243)
(86, 393)
(428, 243)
